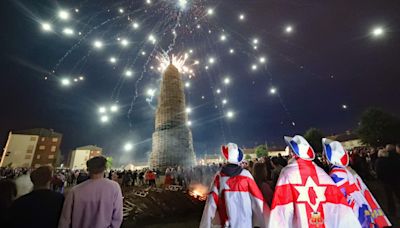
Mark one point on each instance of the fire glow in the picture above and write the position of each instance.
(198, 191)
(180, 62)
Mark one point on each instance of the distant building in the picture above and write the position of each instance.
(80, 155)
(249, 152)
(31, 148)
(209, 159)
(272, 152)
(348, 139)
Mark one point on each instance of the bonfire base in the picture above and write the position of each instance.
(160, 206)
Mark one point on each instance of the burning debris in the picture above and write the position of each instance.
(198, 191)
(142, 205)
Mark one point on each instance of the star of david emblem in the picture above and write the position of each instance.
(311, 193)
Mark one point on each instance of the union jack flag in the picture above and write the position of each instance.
(357, 194)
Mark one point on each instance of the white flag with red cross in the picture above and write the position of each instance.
(305, 196)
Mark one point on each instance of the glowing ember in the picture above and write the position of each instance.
(198, 191)
(179, 62)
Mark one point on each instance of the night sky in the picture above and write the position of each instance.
(330, 58)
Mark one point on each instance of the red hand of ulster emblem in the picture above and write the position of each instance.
(312, 195)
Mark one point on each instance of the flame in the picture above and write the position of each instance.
(198, 191)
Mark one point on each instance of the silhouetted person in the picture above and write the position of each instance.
(24, 184)
(385, 170)
(82, 176)
(8, 192)
(134, 177)
(261, 178)
(282, 161)
(276, 171)
(359, 164)
(268, 166)
(39, 208)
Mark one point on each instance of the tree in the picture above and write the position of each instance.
(247, 157)
(314, 137)
(109, 162)
(378, 128)
(261, 151)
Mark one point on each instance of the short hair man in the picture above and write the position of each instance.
(96, 202)
(39, 208)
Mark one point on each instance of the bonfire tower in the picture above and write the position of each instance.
(172, 139)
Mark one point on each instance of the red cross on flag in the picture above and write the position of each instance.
(305, 196)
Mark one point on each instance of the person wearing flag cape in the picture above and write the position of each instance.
(305, 196)
(234, 199)
(357, 194)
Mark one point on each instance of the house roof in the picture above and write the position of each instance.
(43, 132)
(344, 137)
(89, 147)
(249, 151)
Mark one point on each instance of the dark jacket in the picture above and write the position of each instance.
(231, 170)
(384, 167)
(40, 208)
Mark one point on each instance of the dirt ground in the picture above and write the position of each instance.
(161, 208)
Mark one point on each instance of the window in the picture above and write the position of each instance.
(30, 147)
(51, 156)
(43, 138)
(53, 148)
(29, 151)
(42, 147)
(28, 156)
(54, 139)
(38, 156)
(33, 138)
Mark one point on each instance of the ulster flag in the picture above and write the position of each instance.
(305, 196)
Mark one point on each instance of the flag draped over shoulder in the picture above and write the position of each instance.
(305, 196)
(346, 182)
(358, 196)
(235, 202)
(379, 218)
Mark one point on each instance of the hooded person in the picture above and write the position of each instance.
(305, 196)
(234, 199)
(363, 203)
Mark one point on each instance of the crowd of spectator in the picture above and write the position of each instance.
(34, 198)
(37, 196)
(372, 164)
